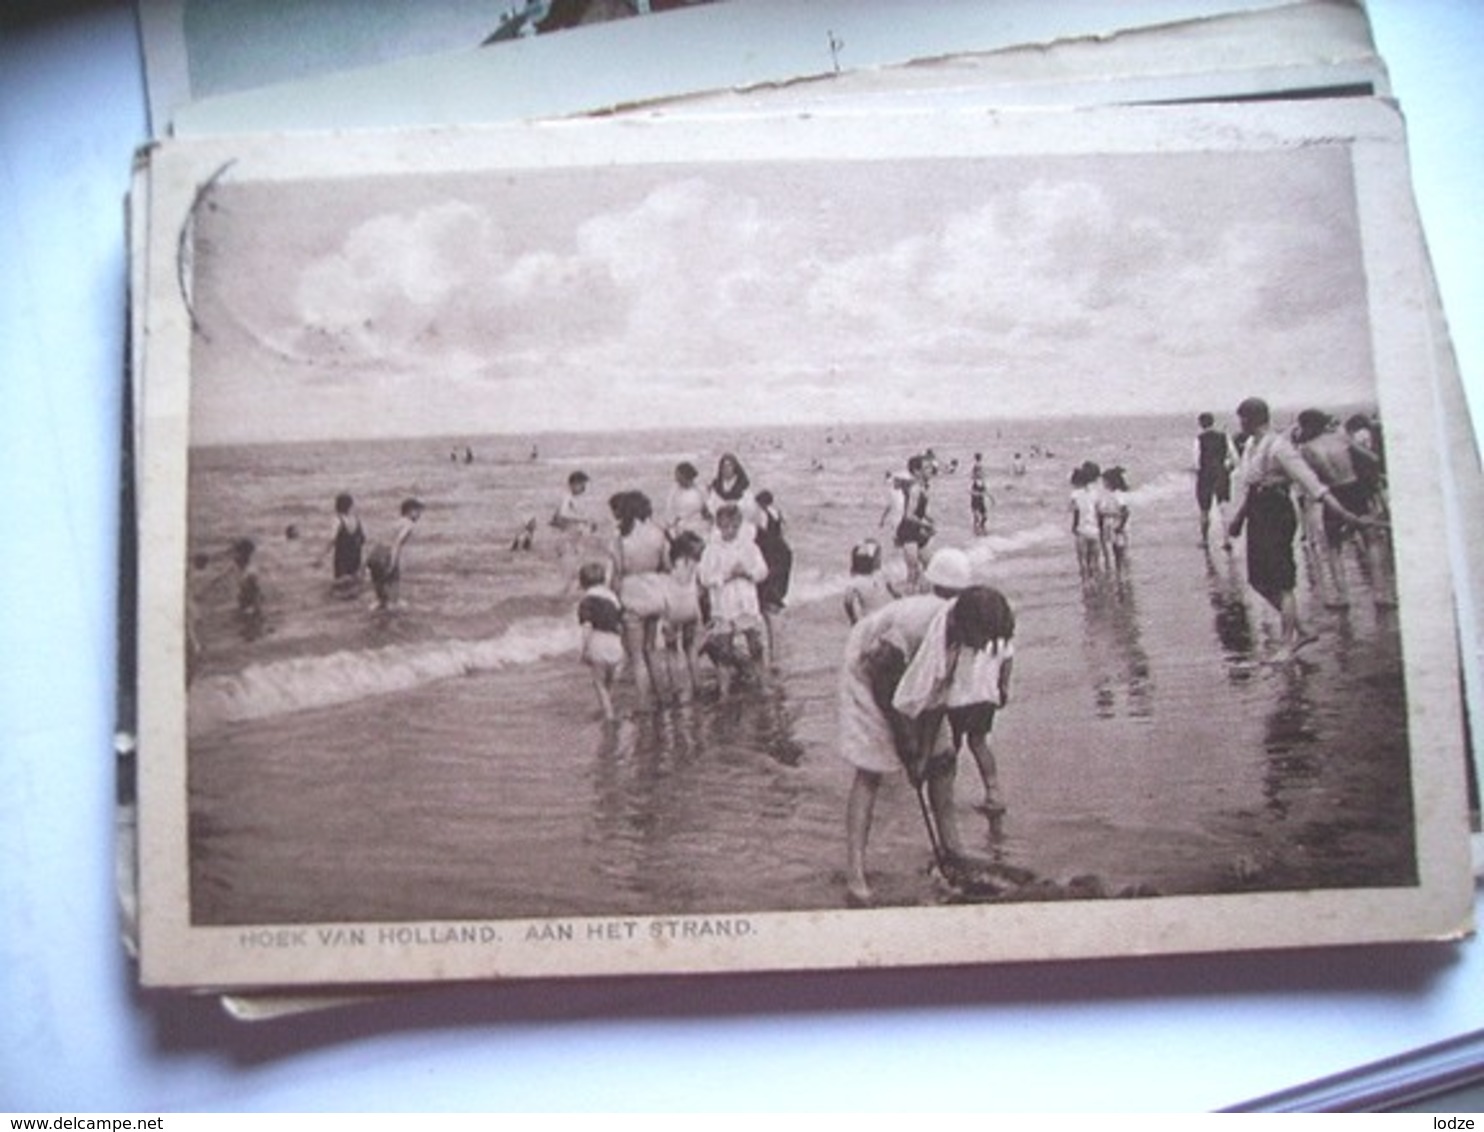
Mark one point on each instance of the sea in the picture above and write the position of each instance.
(448, 760)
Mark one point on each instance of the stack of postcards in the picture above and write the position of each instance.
(735, 490)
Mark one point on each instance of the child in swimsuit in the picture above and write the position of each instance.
(1086, 527)
(384, 563)
(867, 590)
(572, 523)
(979, 497)
(601, 618)
(683, 615)
(980, 686)
(250, 615)
(1113, 519)
(525, 537)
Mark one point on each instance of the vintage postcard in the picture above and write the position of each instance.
(747, 46)
(195, 49)
(450, 668)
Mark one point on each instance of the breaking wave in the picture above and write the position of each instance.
(261, 691)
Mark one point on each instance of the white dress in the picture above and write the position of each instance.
(734, 600)
(866, 739)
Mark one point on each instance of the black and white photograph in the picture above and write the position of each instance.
(785, 542)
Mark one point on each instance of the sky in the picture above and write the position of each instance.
(755, 293)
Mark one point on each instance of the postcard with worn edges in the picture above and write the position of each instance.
(784, 542)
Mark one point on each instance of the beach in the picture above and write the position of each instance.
(447, 761)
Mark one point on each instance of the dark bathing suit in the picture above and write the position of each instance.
(1355, 497)
(916, 527)
(348, 543)
(1212, 479)
(1271, 525)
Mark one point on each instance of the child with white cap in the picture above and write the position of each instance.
(876, 739)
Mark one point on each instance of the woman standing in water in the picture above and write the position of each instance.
(346, 543)
(731, 485)
(686, 508)
(639, 562)
(779, 556)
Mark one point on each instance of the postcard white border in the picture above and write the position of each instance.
(175, 953)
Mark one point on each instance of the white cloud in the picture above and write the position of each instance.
(735, 296)
(392, 277)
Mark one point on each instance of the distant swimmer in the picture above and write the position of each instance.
(525, 538)
(384, 562)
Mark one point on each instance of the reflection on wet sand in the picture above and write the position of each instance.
(1115, 654)
(1334, 789)
(1290, 738)
(668, 786)
(1232, 622)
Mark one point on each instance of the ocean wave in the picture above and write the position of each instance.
(279, 687)
(1167, 485)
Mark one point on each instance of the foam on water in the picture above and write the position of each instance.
(264, 690)
(261, 691)
(460, 595)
